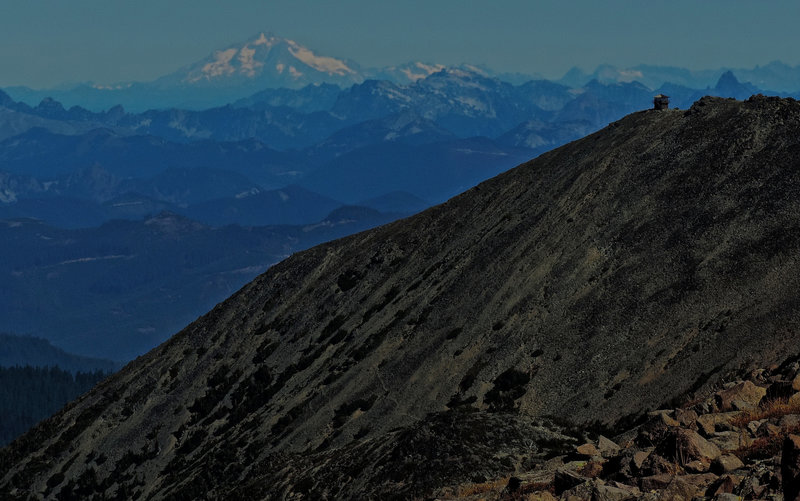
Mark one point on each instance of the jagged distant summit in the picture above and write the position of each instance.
(729, 85)
(604, 279)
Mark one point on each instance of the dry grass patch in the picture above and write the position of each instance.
(476, 490)
(492, 489)
(765, 447)
(771, 409)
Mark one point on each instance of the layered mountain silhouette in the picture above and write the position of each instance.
(20, 351)
(619, 272)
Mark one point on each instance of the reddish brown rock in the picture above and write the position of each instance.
(655, 482)
(745, 392)
(726, 463)
(696, 466)
(725, 485)
(588, 450)
(719, 421)
(669, 487)
(686, 417)
(592, 469)
(617, 492)
(700, 481)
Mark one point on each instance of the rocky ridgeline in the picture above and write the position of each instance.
(742, 442)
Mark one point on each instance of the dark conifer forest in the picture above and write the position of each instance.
(30, 394)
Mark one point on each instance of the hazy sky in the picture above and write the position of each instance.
(47, 42)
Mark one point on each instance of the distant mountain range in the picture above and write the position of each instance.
(267, 61)
(776, 76)
(323, 138)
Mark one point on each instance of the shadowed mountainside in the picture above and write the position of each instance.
(602, 279)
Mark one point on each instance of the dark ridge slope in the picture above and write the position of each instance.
(595, 282)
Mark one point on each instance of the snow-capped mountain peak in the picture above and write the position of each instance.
(268, 61)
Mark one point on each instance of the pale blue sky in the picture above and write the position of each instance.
(46, 42)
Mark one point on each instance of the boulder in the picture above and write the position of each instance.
(745, 392)
(696, 466)
(682, 446)
(730, 440)
(662, 416)
(607, 447)
(726, 463)
(790, 468)
(669, 487)
(687, 418)
(617, 492)
(639, 457)
(700, 481)
(743, 405)
(720, 421)
(588, 450)
(655, 482)
(725, 485)
(566, 479)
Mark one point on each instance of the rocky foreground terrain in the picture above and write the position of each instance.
(644, 267)
(741, 442)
